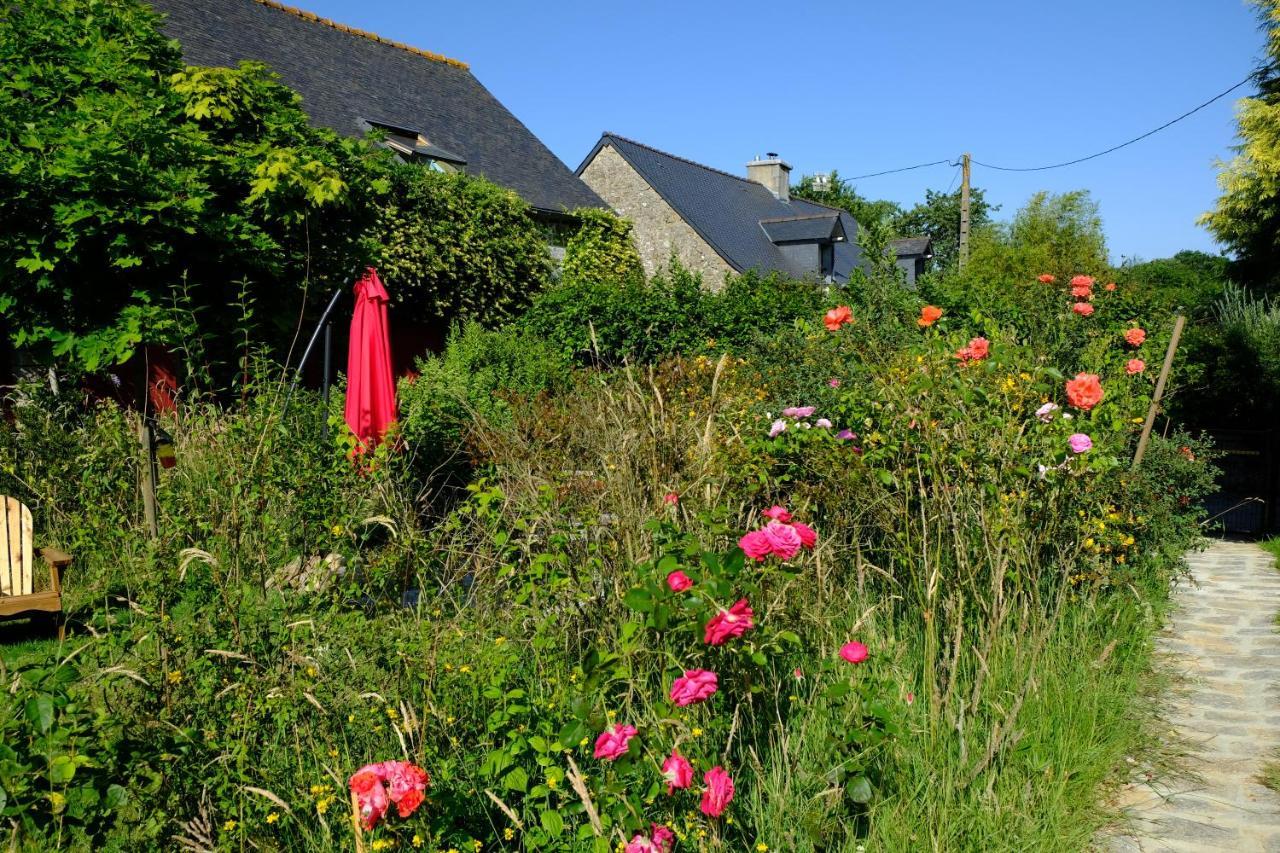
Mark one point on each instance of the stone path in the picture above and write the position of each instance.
(1223, 637)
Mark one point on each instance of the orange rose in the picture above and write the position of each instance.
(1135, 337)
(837, 317)
(929, 315)
(1046, 278)
(1085, 391)
(1084, 309)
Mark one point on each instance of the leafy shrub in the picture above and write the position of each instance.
(476, 378)
(600, 251)
(459, 248)
(642, 322)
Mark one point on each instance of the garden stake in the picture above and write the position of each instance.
(1155, 398)
(355, 823)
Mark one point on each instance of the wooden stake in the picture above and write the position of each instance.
(1155, 398)
(964, 210)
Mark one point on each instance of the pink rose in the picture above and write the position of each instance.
(797, 412)
(834, 383)
(677, 771)
(678, 581)
(777, 513)
(718, 793)
(756, 545)
(1084, 309)
(612, 743)
(778, 428)
(846, 435)
(663, 838)
(640, 844)
(1135, 365)
(808, 538)
(1080, 443)
(783, 539)
(823, 423)
(727, 624)
(371, 797)
(1082, 281)
(671, 498)
(854, 652)
(696, 685)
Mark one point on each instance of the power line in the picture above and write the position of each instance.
(1152, 132)
(903, 169)
(1170, 123)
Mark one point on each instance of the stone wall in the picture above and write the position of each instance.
(658, 229)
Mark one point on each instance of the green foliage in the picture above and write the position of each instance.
(1238, 359)
(101, 173)
(1059, 234)
(473, 382)
(1247, 214)
(600, 251)
(938, 218)
(459, 247)
(641, 321)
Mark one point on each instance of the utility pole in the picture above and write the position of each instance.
(964, 210)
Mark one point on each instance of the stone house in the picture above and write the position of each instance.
(716, 223)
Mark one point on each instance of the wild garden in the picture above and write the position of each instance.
(648, 564)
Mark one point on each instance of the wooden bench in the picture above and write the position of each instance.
(18, 596)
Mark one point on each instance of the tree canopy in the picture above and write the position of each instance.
(1246, 217)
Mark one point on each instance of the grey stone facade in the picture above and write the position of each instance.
(658, 230)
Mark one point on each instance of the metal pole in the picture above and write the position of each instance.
(306, 354)
(1155, 398)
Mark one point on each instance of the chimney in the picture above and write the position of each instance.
(774, 173)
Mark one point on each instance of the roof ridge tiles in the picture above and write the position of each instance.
(610, 133)
(374, 37)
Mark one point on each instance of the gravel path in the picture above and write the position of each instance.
(1223, 637)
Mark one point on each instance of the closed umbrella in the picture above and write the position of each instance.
(371, 388)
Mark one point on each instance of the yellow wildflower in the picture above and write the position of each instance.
(312, 671)
(508, 833)
(464, 668)
(382, 844)
(273, 818)
(229, 826)
(696, 732)
(337, 529)
(762, 847)
(417, 840)
(174, 677)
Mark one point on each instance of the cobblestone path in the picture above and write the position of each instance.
(1223, 637)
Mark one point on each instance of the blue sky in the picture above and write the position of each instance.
(865, 86)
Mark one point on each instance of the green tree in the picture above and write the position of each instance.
(1246, 217)
(938, 218)
(100, 174)
(129, 177)
(837, 192)
(1060, 234)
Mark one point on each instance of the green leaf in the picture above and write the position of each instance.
(62, 770)
(40, 711)
(639, 599)
(859, 790)
(516, 780)
(552, 823)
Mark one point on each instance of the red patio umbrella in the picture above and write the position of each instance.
(371, 387)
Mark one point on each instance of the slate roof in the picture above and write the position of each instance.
(913, 246)
(348, 76)
(727, 211)
(804, 229)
